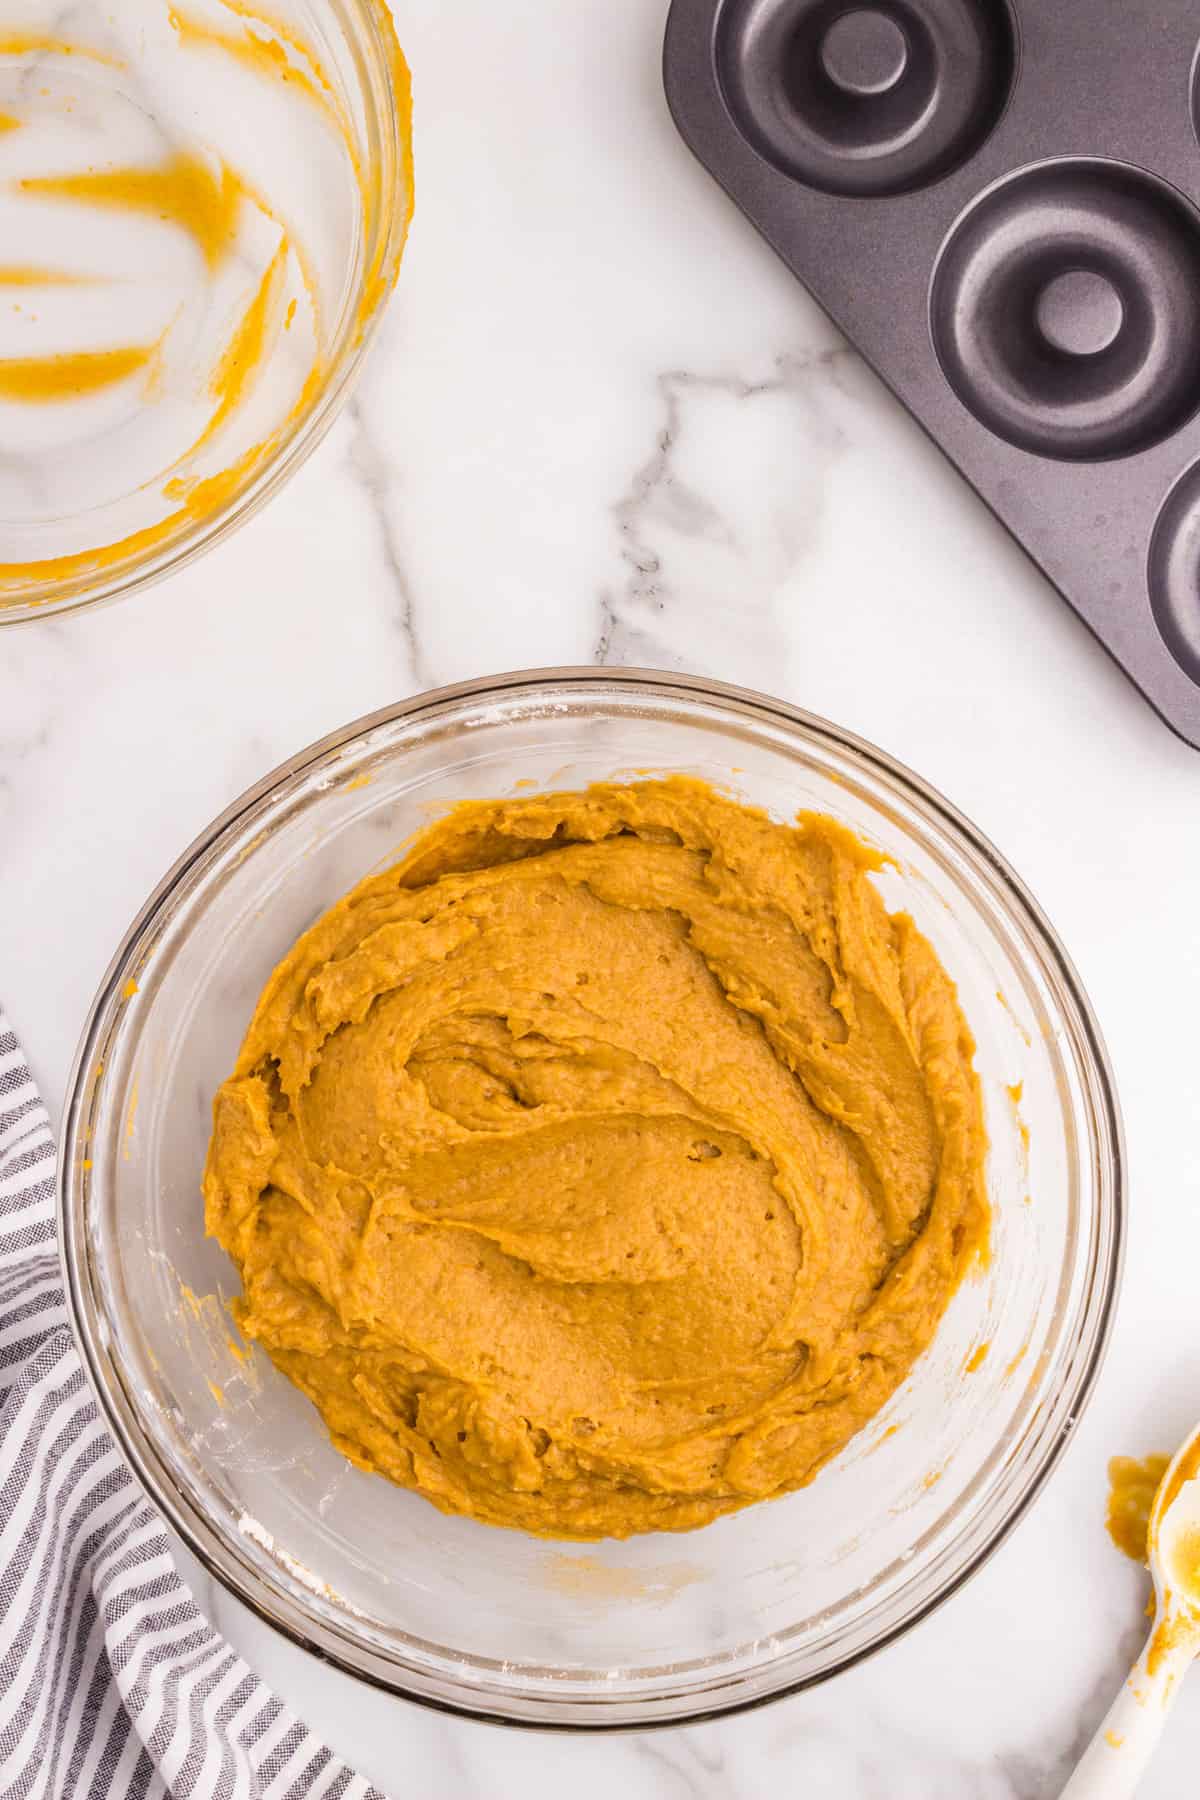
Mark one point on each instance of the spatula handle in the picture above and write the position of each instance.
(1116, 1759)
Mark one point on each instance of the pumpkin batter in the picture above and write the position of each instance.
(1132, 1488)
(603, 1166)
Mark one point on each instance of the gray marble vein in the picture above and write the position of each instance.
(691, 1763)
(373, 476)
(721, 514)
(40, 660)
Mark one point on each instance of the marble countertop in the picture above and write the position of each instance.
(604, 424)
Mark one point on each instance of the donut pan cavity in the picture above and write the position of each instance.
(998, 201)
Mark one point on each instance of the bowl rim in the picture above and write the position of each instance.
(384, 240)
(283, 1612)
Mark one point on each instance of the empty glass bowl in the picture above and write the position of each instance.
(661, 1628)
(203, 206)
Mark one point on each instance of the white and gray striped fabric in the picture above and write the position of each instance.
(112, 1684)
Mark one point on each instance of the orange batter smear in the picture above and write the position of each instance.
(264, 55)
(202, 499)
(381, 276)
(1015, 1094)
(1132, 1487)
(268, 56)
(30, 275)
(285, 32)
(32, 43)
(185, 191)
(130, 1121)
(1171, 1632)
(67, 377)
(8, 123)
(193, 490)
(1186, 1566)
(977, 1360)
(244, 352)
(1003, 999)
(1188, 1469)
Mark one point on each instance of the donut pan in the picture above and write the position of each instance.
(1000, 206)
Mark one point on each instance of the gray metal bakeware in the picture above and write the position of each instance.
(998, 204)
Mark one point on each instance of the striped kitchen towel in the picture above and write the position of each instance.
(112, 1685)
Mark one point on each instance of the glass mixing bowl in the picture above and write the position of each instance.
(203, 204)
(490, 1622)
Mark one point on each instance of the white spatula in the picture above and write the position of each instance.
(1117, 1756)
